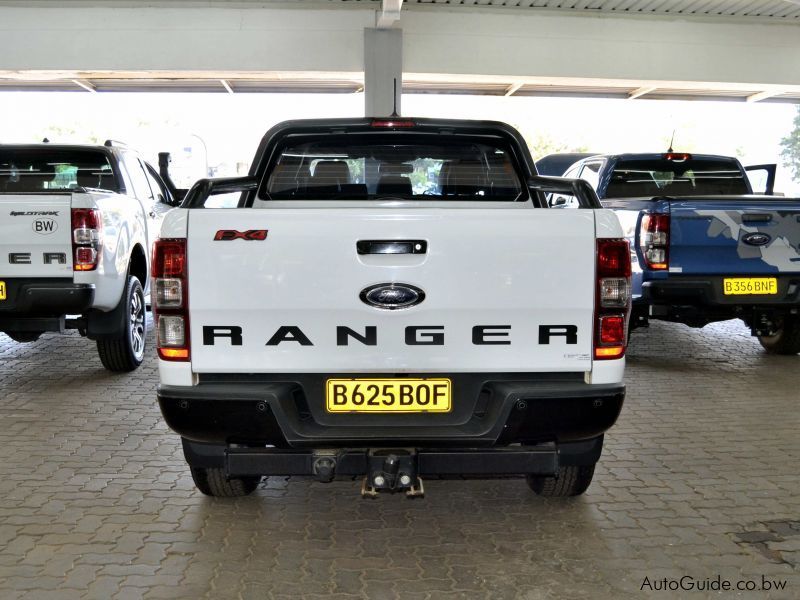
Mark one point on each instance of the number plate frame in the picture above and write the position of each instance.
(739, 286)
(366, 389)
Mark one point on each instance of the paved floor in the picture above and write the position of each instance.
(699, 478)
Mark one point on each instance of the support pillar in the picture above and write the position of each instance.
(383, 65)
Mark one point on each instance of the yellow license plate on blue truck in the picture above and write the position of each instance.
(750, 286)
(397, 395)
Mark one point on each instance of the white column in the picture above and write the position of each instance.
(383, 65)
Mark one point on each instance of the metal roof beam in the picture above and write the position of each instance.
(85, 85)
(638, 93)
(388, 14)
(758, 97)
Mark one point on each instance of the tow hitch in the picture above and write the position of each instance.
(765, 322)
(392, 471)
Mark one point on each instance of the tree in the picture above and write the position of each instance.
(791, 148)
(542, 144)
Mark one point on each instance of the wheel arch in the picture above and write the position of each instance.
(137, 265)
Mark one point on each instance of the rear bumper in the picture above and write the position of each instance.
(489, 409)
(31, 303)
(707, 292)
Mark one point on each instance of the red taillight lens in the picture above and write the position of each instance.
(654, 241)
(87, 238)
(613, 298)
(170, 302)
(169, 258)
(613, 258)
(612, 330)
(393, 123)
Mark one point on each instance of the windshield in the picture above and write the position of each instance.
(375, 167)
(44, 169)
(690, 177)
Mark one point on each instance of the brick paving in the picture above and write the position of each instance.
(699, 478)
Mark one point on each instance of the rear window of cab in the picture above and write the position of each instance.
(26, 170)
(386, 167)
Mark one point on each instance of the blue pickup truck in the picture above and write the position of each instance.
(705, 247)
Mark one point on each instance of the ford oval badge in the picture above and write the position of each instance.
(392, 296)
(756, 239)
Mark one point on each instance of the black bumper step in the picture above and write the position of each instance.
(541, 459)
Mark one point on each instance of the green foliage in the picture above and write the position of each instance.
(791, 149)
(542, 144)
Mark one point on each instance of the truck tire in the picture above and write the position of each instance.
(212, 482)
(571, 480)
(24, 337)
(124, 351)
(787, 340)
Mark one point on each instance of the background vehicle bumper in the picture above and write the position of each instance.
(489, 409)
(33, 303)
(707, 291)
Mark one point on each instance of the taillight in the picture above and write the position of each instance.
(87, 238)
(677, 156)
(654, 241)
(393, 123)
(613, 298)
(170, 302)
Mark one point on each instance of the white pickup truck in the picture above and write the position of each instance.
(76, 228)
(391, 299)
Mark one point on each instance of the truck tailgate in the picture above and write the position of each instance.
(514, 270)
(734, 236)
(35, 231)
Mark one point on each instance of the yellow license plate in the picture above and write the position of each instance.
(400, 395)
(750, 286)
(2, 290)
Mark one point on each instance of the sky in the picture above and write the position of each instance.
(224, 129)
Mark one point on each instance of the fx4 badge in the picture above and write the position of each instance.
(226, 235)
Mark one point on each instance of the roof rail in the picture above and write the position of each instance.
(115, 144)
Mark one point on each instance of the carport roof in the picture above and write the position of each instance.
(413, 83)
(778, 12)
(773, 9)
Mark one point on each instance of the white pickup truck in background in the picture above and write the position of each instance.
(76, 228)
(391, 299)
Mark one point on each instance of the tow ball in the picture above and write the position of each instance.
(392, 471)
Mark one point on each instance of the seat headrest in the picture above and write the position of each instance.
(466, 173)
(87, 178)
(331, 172)
(395, 185)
